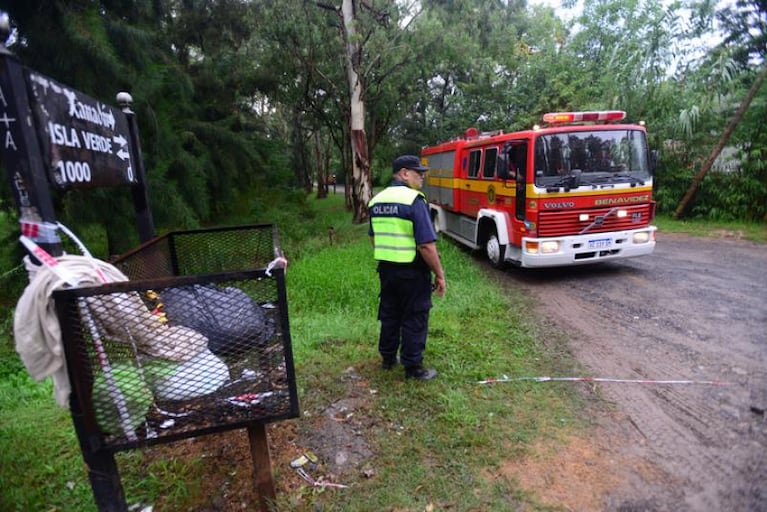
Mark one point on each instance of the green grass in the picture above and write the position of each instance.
(41, 466)
(704, 228)
(449, 429)
(436, 441)
(39, 456)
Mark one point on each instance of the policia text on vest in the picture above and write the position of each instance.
(392, 224)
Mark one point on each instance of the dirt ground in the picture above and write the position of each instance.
(694, 312)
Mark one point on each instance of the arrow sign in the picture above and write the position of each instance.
(122, 141)
(85, 141)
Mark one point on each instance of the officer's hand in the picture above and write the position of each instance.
(440, 286)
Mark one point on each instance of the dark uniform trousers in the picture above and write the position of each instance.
(403, 310)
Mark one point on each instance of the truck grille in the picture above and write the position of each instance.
(565, 222)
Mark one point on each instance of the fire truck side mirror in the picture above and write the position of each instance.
(654, 157)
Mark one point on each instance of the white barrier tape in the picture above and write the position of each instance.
(112, 388)
(603, 379)
(41, 232)
(49, 261)
(84, 250)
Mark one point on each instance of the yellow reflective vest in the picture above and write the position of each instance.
(392, 224)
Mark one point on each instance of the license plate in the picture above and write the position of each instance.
(600, 243)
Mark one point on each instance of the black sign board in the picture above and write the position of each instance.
(84, 141)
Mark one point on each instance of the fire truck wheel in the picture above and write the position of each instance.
(495, 251)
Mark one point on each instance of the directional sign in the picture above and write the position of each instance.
(84, 141)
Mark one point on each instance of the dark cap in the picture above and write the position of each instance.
(411, 162)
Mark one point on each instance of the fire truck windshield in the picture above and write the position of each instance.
(595, 157)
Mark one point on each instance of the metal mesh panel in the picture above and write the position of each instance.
(151, 260)
(202, 251)
(155, 360)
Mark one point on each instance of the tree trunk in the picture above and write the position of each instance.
(301, 161)
(360, 182)
(346, 160)
(323, 173)
(722, 142)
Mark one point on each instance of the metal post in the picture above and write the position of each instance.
(21, 151)
(262, 466)
(100, 463)
(140, 194)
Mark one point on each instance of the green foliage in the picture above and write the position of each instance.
(187, 67)
(13, 277)
(722, 196)
(232, 95)
(731, 196)
(744, 24)
(672, 178)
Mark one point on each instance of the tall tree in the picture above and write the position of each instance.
(359, 20)
(736, 119)
(470, 76)
(344, 64)
(727, 72)
(624, 53)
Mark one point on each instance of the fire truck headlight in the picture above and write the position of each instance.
(641, 237)
(545, 247)
(549, 247)
(622, 213)
(583, 217)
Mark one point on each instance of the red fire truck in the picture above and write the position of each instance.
(576, 190)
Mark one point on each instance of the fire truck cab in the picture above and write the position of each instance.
(577, 190)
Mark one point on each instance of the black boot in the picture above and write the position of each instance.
(389, 362)
(420, 373)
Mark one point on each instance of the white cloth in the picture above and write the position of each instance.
(36, 329)
(122, 316)
(199, 376)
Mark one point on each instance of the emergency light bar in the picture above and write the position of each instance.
(574, 117)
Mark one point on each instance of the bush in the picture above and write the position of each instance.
(721, 196)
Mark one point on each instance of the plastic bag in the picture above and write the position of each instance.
(232, 321)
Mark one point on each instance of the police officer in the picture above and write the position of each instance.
(404, 243)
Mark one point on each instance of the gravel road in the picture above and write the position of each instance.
(696, 309)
